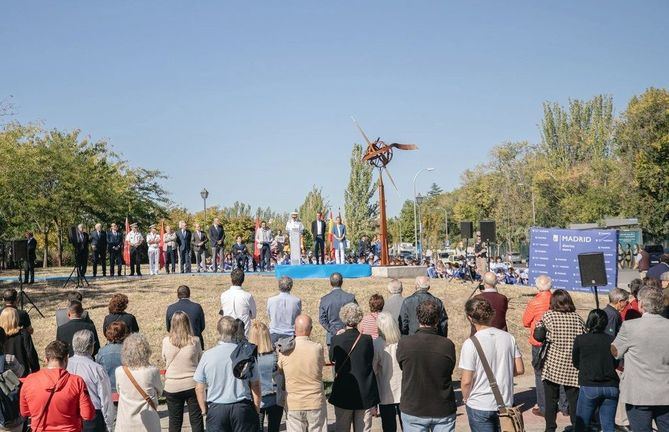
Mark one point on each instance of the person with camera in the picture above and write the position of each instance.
(31, 256)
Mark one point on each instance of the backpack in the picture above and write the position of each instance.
(9, 395)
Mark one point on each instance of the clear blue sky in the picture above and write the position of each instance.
(253, 99)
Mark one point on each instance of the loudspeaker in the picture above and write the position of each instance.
(466, 229)
(592, 269)
(19, 250)
(487, 229)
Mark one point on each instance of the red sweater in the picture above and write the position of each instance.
(534, 311)
(69, 404)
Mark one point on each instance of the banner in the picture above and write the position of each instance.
(126, 243)
(554, 252)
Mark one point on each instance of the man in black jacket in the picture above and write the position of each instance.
(217, 243)
(66, 332)
(99, 248)
(427, 361)
(184, 238)
(31, 249)
(408, 318)
(79, 240)
(318, 232)
(190, 308)
(115, 249)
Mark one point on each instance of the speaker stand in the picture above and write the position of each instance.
(23, 297)
(596, 297)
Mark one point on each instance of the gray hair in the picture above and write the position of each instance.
(82, 342)
(651, 300)
(490, 279)
(395, 286)
(350, 314)
(227, 328)
(388, 328)
(136, 351)
(544, 283)
(422, 283)
(285, 284)
(617, 295)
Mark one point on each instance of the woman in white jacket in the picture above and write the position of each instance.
(387, 370)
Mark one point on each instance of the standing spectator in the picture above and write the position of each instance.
(53, 398)
(339, 241)
(618, 300)
(99, 248)
(393, 303)
(427, 361)
(282, 309)
(330, 305)
(190, 308)
(66, 332)
(354, 390)
(388, 372)
(217, 245)
(10, 296)
(170, 249)
(96, 379)
(318, 233)
(662, 267)
(199, 244)
(135, 240)
(61, 314)
(181, 353)
(368, 323)
(114, 247)
(267, 366)
(408, 320)
(631, 311)
(499, 302)
(237, 303)
(597, 375)
(184, 238)
(642, 261)
(117, 306)
(501, 352)
(139, 387)
(18, 342)
(109, 355)
(31, 249)
(303, 371)
(153, 243)
(562, 325)
(80, 241)
(223, 398)
(643, 345)
(263, 238)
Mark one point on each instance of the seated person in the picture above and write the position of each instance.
(240, 253)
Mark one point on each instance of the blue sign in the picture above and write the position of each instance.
(554, 252)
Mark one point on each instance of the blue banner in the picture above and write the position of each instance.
(554, 252)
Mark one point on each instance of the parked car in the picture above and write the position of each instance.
(513, 258)
(655, 252)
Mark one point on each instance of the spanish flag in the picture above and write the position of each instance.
(256, 249)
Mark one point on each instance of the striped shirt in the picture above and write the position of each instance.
(368, 325)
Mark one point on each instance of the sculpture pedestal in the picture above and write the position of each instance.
(399, 272)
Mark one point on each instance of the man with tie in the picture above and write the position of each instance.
(31, 245)
(135, 239)
(217, 238)
(80, 242)
(318, 230)
(184, 238)
(199, 244)
(114, 245)
(99, 248)
(264, 238)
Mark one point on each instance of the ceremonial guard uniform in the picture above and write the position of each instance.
(294, 228)
(135, 239)
(153, 242)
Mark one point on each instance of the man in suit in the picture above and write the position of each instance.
(217, 243)
(80, 242)
(184, 238)
(31, 256)
(66, 332)
(199, 244)
(330, 305)
(99, 248)
(190, 308)
(318, 232)
(240, 253)
(62, 313)
(114, 247)
(264, 239)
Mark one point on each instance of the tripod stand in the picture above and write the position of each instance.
(23, 297)
(80, 277)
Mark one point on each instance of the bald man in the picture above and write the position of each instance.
(303, 370)
(408, 319)
(499, 302)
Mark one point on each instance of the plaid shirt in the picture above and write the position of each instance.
(562, 328)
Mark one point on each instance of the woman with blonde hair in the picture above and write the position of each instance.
(387, 370)
(267, 359)
(181, 352)
(18, 343)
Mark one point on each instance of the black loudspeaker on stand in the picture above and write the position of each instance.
(488, 235)
(466, 229)
(593, 272)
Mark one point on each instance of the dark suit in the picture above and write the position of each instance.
(80, 242)
(184, 238)
(195, 315)
(115, 249)
(31, 245)
(408, 320)
(217, 238)
(99, 248)
(354, 386)
(319, 240)
(66, 332)
(199, 244)
(328, 311)
(240, 253)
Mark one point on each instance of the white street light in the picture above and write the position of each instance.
(415, 211)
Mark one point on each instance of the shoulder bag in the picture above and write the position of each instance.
(510, 418)
(348, 356)
(139, 389)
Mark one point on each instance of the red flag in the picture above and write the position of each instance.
(161, 254)
(256, 249)
(331, 236)
(126, 243)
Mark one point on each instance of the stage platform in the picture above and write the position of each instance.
(311, 271)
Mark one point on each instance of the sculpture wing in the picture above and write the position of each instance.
(404, 146)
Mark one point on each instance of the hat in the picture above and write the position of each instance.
(133, 225)
(293, 213)
(152, 226)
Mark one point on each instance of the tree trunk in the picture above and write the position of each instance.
(45, 264)
(59, 240)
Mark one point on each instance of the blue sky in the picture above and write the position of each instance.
(253, 99)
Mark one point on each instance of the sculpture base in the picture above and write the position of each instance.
(311, 271)
(399, 272)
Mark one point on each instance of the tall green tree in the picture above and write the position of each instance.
(360, 209)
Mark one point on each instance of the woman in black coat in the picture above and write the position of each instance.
(354, 390)
(18, 342)
(117, 306)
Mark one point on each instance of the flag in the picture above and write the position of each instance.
(256, 249)
(161, 253)
(331, 236)
(126, 243)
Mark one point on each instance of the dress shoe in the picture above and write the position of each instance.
(537, 412)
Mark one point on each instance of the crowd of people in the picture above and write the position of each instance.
(396, 362)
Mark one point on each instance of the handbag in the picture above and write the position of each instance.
(510, 418)
(139, 389)
(540, 336)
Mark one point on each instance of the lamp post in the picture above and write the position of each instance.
(204, 193)
(415, 210)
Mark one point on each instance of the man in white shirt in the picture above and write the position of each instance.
(264, 239)
(294, 229)
(135, 239)
(237, 303)
(503, 356)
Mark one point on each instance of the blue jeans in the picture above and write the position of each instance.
(591, 398)
(424, 424)
(483, 421)
(641, 417)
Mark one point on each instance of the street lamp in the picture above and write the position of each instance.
(415, 209)
(204, 193)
